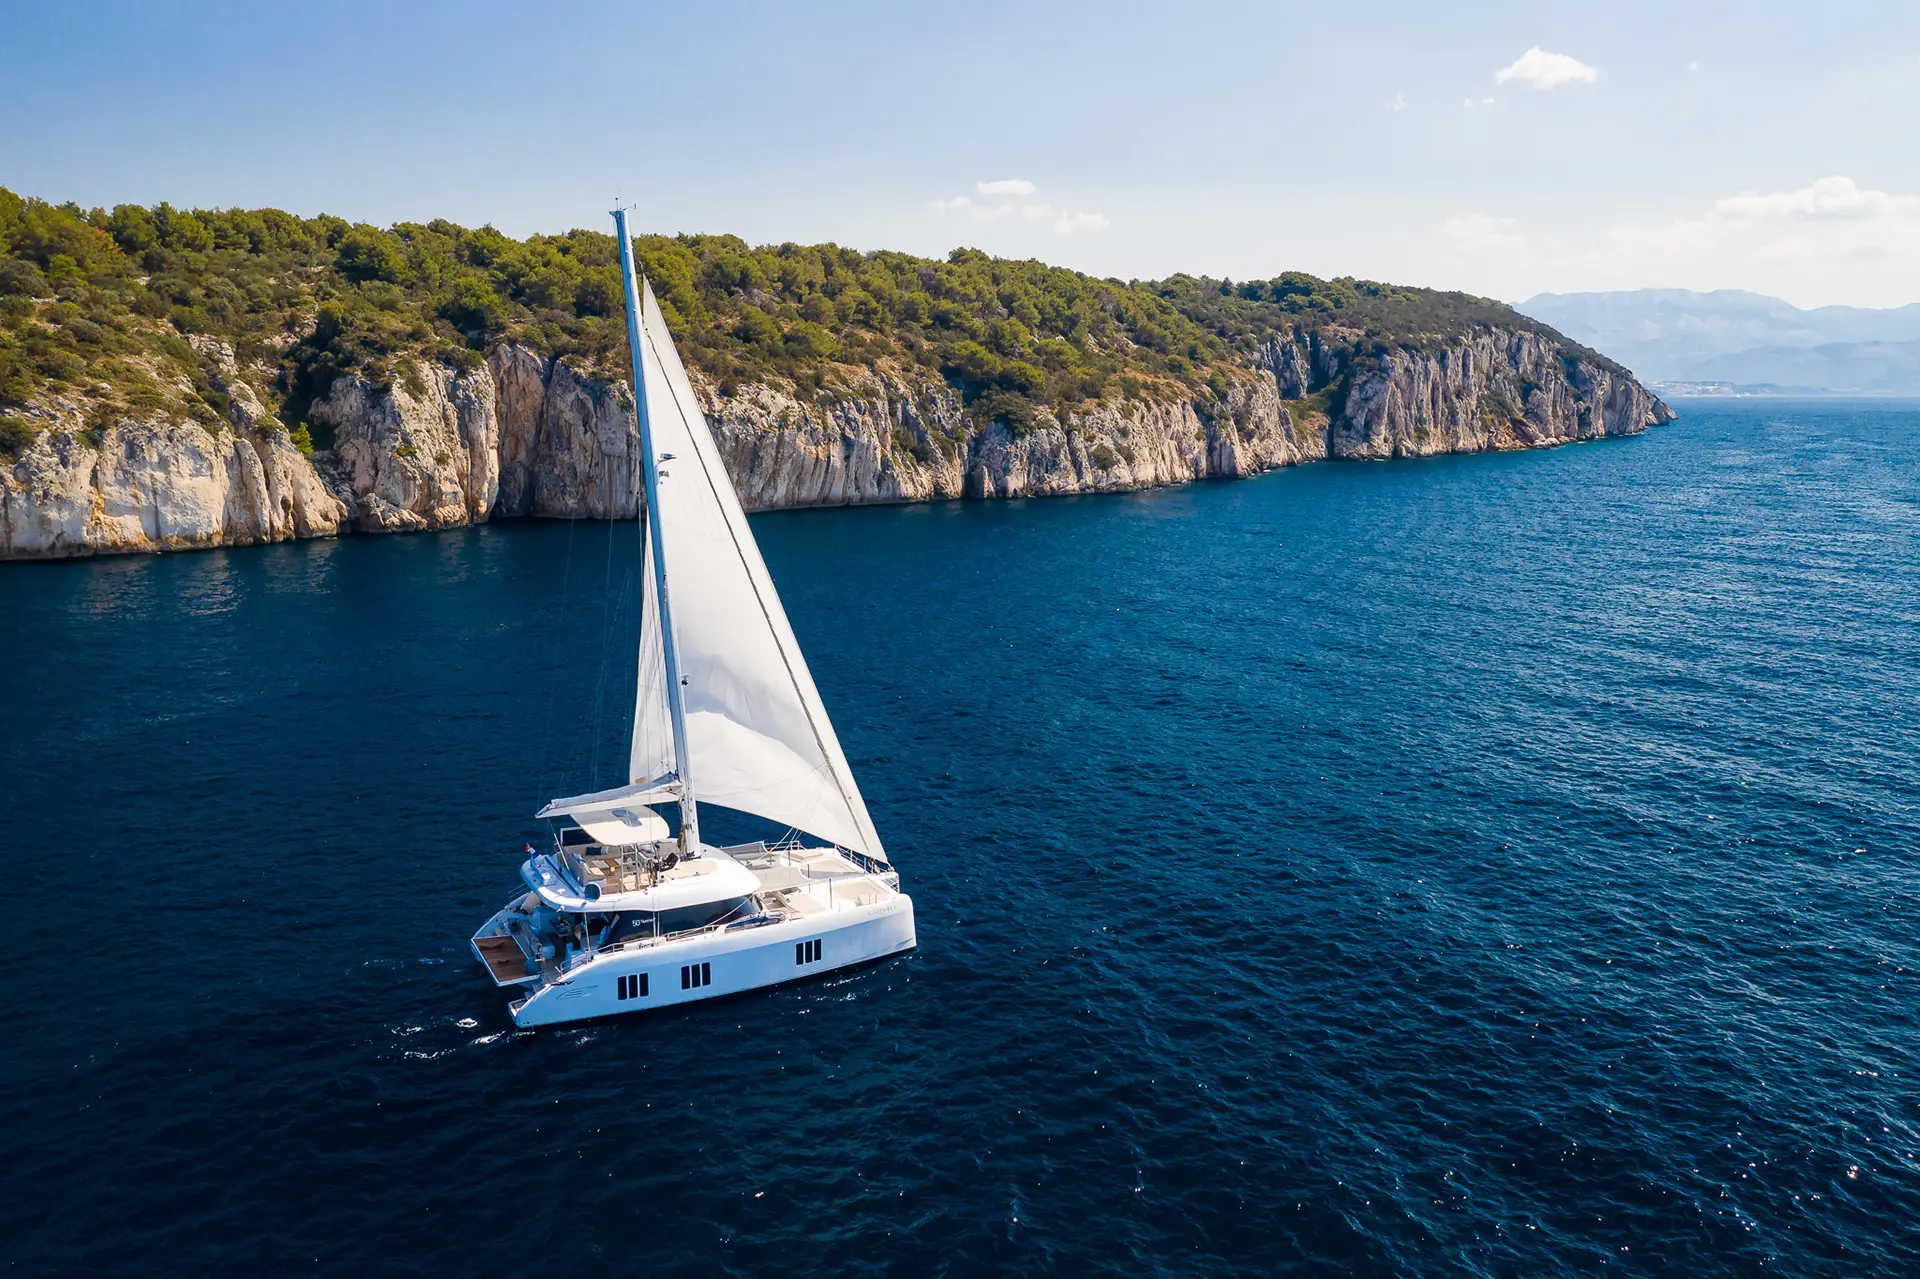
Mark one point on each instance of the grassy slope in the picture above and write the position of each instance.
(96, 308)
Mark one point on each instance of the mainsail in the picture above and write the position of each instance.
(758, 739)
(652, 755)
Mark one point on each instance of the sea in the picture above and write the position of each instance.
(1499, 865)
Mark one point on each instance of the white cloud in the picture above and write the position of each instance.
(1478, 103)
(1039, 214)
(978, 212)
(1399, 103)
(1479, 233)
(1693, 66)
(1069, 223)
(1542, 70)
(1835, 197)
(1829, 239)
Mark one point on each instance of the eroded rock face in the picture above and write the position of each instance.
(147, 487)
(889, 442)
(567, 442)
(302, 504)
(526, 435)
(884, 443)
(520, 395)
(1490, 391)
(46, 503)
(414, 459)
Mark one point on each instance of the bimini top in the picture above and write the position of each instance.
(633, 825)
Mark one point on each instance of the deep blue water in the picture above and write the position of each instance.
(1499, 865)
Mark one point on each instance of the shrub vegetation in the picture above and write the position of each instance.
(96, 307)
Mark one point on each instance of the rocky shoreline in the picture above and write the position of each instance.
(524, 435)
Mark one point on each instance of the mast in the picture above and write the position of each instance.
(650, 471)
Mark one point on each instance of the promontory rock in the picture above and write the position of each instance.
(522, 434)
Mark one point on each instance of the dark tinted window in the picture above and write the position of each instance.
(674, 921)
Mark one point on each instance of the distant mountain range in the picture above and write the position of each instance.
(1732, 339)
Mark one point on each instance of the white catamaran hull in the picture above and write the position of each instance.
(707, 965)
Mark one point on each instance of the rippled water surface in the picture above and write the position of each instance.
(1499, 865)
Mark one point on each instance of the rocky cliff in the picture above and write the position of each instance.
(524, 435)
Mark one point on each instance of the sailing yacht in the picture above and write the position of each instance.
(624, 910)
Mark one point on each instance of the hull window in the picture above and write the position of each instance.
(806, 952)
(695, 975)
(633, 986)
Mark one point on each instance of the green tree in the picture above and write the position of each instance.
(181, 230)
(818, 307)
(474, 306)
(599, 293)
(756, 328)
(809, 341)
(132, 228)
(367, 254)
(21, 279)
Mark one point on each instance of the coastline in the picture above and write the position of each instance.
(527, 436)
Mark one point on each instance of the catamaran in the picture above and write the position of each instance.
(622, 911)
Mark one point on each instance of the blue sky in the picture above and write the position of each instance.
(1764, 145)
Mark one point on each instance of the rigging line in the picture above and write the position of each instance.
(603, 679)
(606, 652)
(700, 454)
(553, 675)
(622, 624)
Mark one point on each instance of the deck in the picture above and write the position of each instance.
(504, 959)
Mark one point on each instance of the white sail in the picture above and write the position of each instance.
(758, 739)
(652, 754)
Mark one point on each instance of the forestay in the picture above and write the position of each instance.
(757, 736)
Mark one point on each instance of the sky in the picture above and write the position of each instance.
(1502, 148)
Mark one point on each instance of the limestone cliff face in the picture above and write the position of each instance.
(404, 461)
(525, 435)
(566, 442)
(892, 442)
(147, 487)
(1492, 390)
